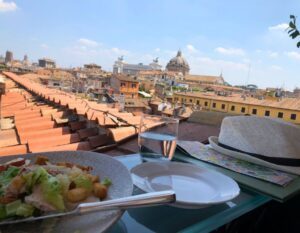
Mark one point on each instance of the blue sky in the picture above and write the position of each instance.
(243, 39)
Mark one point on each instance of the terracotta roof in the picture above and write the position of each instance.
(35, 132)
(99, 140)
(8, 138)
(88, 132)
(34, 145)
(122, 133)
(223, 87)
(203, 78)
(77, 125)
(13, 150)
(126, 78)
(72, 146)
(105, 115)
(28, 135)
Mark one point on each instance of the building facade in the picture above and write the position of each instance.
(9, 57)
(93, 67)
(124, 85)
(121, 67)
(47, 63)
(287, 109)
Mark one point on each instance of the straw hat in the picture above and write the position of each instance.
(269, 142)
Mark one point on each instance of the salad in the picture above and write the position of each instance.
(31, 189)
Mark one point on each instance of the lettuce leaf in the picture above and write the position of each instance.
(82, 181)
(6, 177)
(35, 177)
(50, 185)
(51, 190)
(25, 210)
(64, 182)
(107, 182)
(11, 208)
(2, 211)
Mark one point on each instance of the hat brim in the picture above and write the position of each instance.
(214, 142)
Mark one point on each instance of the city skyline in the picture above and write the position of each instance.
(214, 37)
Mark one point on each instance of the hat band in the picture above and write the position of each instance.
(276, 160)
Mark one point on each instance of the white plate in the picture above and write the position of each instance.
(104, 166)
(195, 187)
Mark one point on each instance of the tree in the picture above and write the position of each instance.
(293, 31)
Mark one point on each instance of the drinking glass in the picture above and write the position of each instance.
(157, 137)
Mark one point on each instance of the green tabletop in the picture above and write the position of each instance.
(170, 219)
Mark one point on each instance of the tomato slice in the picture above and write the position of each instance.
(3, 167)
(17, 162)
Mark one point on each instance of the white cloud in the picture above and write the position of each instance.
(7, 6)
(230, 51)
(119, 51)
(157, 50)
(44, 46)
(87, 42)
(225, 64)
(246, 60)
(276, 68)
(279, 27)
(294, 55)
(191, 48)
(273, 54)
(80, 53)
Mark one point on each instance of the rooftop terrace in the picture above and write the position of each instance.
(36, 118)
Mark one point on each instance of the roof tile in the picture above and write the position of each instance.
(74, 146)
(37, 144)
(88, 132)
(122, 133)
(28, 135)
(76, 125)
(13, 150)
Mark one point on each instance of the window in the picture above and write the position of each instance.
(254, 111)
(280, 115)
(182, 100)
(198, 102)
(232, 108)
(214, 105)
(243, 109)
(223, 106)
(293, 116)
(123, 84)
(267, 113)
(191, 101)
(133, 85)
(206, 103)
(132, 96)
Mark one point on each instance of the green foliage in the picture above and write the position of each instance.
(293, 31)
(177, 88)
(196, 89)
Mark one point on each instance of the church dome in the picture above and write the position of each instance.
(178, 64)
